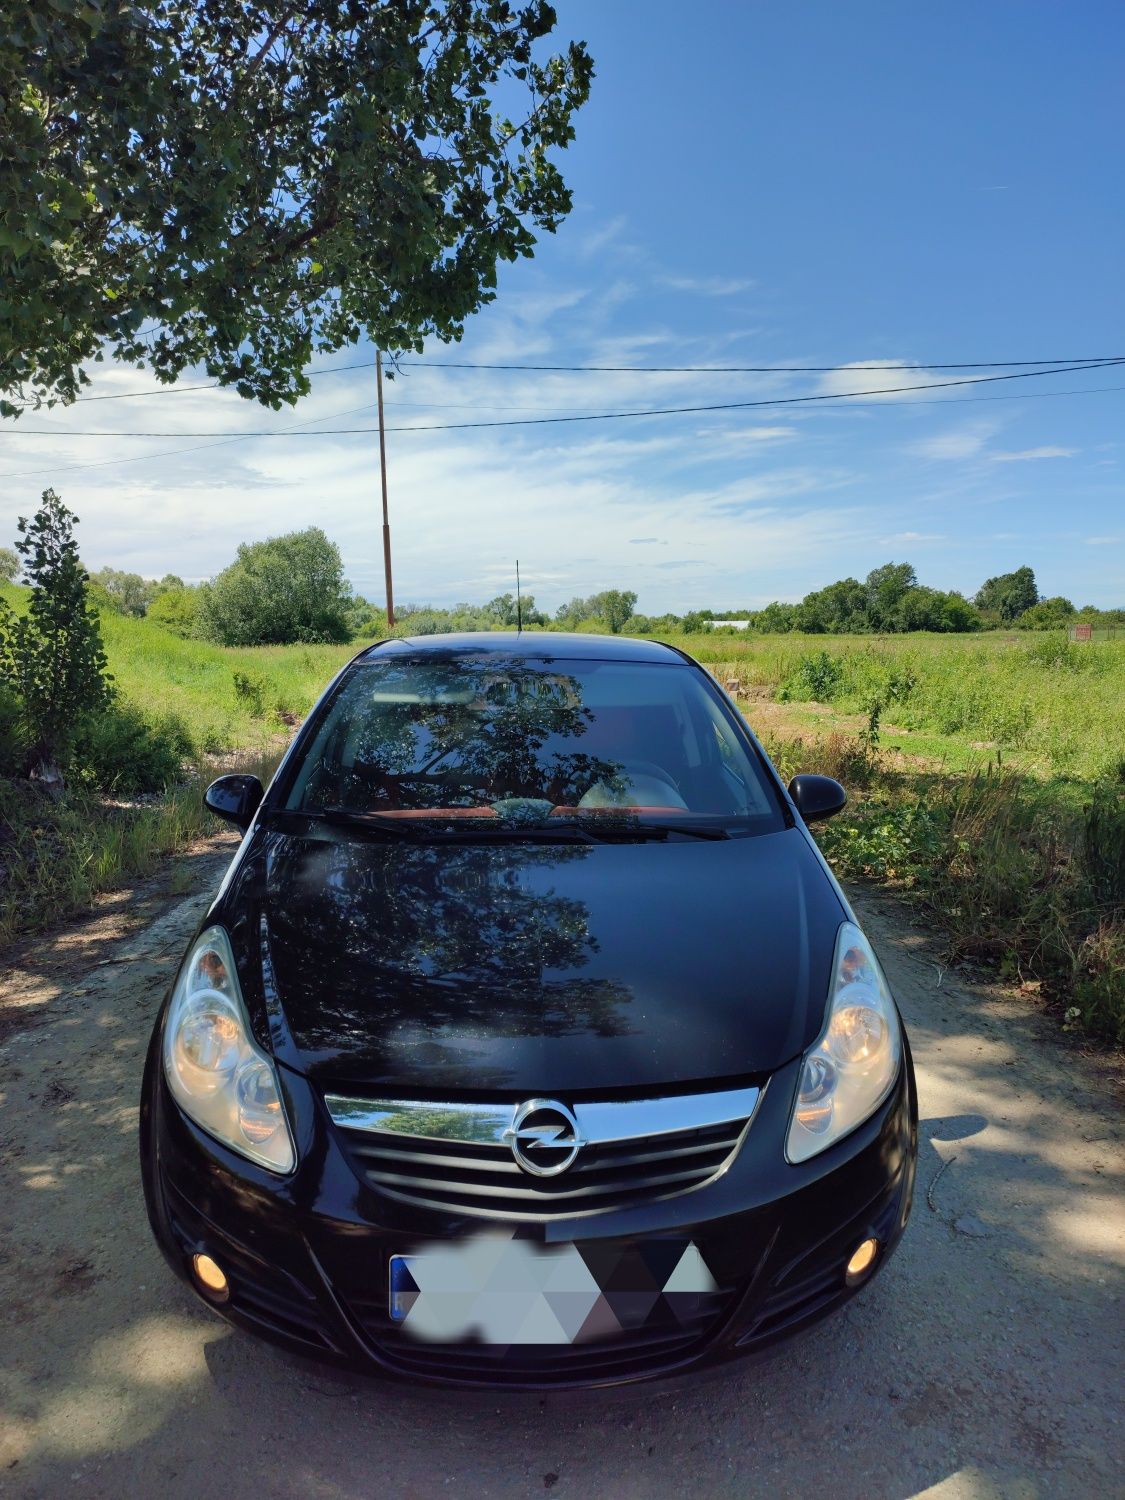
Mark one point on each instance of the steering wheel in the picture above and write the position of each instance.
(648, 785)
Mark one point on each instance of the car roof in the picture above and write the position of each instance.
(528, 643)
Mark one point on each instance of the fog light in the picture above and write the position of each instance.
(862, 1263)
(211, 1277)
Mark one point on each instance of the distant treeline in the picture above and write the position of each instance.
(292, 588)
(890, 600)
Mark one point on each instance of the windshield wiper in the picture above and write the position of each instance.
(435, 830)
(637, 833)
(345, 817)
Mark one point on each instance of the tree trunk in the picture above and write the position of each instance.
(46, 774)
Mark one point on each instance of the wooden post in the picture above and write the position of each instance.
(383, 475)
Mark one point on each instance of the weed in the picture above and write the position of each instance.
(1017, 874)
(123, 750)
(818, 678)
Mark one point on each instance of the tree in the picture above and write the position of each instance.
(885, 587)
(1008, 594)
(289, 588)
(775, 617)
(614, 606)
(9, 565)
(693, 622)
(959, 614)
(840, 607)
(202, 181)
(129, 593)
(1048, 614)
(52, 657)
(177, 610)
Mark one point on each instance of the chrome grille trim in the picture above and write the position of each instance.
(487, 1124)
(457, 1158)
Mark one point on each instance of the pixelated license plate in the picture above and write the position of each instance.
(501, 1290)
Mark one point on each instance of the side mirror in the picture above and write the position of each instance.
(235, 798)
(817, 796)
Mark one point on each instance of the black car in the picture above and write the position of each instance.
(529, 1039)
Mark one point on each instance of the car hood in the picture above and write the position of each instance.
(539, 969)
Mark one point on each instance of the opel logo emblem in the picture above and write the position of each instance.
(544, 1137)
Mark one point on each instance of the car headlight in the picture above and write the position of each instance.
(847, 1074)
(216, 1072)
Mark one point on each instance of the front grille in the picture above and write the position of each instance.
(485, 1181)
(657, 1343)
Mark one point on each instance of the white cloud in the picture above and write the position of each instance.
(1104, 541)
(1026, 454)
(961, 442)
(609, 234)
(570, 502)
(706, 286)
(746, 437)
(889, 379)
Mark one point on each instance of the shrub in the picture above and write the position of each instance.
(818, 677)
(11, 734)
(177, 609)
(1103, 847)
(253, 691)
(122, 750)
(52, 656)
(1099, 988)
(290, 588)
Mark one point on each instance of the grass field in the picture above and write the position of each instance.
(986, 772)
(1058, 705)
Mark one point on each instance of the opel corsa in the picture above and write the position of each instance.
(529, 1039)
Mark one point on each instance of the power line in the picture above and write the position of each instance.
(607, 416)
(107, 463)
(1092, 361)
(201, 447)
(141, 458)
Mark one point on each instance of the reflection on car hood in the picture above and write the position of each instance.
(542, 969)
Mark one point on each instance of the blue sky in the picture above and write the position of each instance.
(754, 184)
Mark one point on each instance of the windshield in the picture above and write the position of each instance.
(530, 741)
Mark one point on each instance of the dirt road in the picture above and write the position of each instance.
(987, 1361)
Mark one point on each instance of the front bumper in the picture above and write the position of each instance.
(307, 1257)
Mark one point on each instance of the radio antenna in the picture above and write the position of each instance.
(519, 601)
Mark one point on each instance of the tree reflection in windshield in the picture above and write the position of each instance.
(456, 735)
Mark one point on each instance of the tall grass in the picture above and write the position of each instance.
(56, 856)
(1061, 702)
(1023, 874)
(227, 698)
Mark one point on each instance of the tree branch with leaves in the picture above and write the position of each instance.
(205, 182)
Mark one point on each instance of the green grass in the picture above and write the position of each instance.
(1060, 705)
(1024, 873)
(227, 698)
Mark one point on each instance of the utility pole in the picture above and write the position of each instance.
(383, 473)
